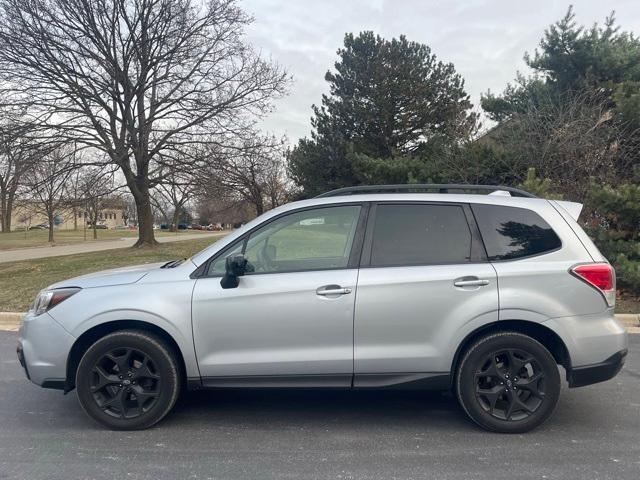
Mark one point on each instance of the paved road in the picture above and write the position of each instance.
(60, 250)
(595, 433)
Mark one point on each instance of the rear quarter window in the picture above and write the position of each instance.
(511, 232)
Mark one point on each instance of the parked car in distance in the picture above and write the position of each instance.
(99, 226)
(40, 226)
(364, 287)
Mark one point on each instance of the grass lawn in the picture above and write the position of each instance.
(21, 281)
(39, 238)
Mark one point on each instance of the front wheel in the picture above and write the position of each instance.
(128, 380)
(508, 382)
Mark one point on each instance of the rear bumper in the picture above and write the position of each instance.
(599, 372)
(590, 339)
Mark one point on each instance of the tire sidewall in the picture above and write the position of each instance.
(465, 384)
(164, 362)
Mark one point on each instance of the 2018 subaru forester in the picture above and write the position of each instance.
(361, 287)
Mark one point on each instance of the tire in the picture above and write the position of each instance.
(128, 380)
(508, 382)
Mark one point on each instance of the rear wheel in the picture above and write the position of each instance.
(508, 382)
(128, 380)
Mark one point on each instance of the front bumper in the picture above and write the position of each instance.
(43, 348)
(599, 372)
(23, 363)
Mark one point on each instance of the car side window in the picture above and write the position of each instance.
(412, 234)
(315, 239)
(511, 232)
(217, 267)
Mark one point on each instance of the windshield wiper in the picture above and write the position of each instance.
(173, 263)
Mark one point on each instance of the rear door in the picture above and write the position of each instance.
(424, 281)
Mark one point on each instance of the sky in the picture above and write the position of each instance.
(485, 40)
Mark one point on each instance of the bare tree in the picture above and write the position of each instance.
(569, 140)
(96, 190)
(253, 171)
(17, 154)
(48, 182)
(223, 211)
(137, 79)
(174, 192)
(161, 208)
(129, 211)
(277, 186)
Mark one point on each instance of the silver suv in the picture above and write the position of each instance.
(365, 287)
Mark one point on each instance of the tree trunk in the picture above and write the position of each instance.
(259, 204)
(8, 210)
(175, 220)
(6, 227)
(94, 222)
(140, 191)
(3, 212)
(50, 218)
(146, 237)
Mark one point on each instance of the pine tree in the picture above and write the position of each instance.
(387, 98)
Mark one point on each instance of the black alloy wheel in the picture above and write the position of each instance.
(128, 380)
(508, 382)
(125, 383)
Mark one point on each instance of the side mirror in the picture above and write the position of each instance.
(235, 266)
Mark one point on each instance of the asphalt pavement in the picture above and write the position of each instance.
(594, 434)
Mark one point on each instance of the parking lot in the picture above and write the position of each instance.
(595, 433)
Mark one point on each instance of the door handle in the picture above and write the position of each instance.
(332, 290)
(471, 283)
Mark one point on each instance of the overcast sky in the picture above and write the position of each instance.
(485, 40)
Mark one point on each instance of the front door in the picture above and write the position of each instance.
(290, 320)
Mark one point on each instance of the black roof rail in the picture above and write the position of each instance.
(423, 188)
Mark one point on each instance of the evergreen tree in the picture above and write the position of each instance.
(387, 98)
(613, 220)
(570, 58)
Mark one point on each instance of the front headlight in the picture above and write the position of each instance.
(47, 299)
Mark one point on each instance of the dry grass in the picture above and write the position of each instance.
(39, 238)
(21, 281)
(627, 305)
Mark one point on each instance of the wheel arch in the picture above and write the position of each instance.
(93, 334)
(547, 337)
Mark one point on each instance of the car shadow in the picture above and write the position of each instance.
(307, 407)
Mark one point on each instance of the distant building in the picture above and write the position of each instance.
(26, 214)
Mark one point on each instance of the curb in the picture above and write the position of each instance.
(10, 321)
(630, 320)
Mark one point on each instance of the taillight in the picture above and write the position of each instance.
(600, 276)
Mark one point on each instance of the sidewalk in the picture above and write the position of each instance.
(92, 246)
